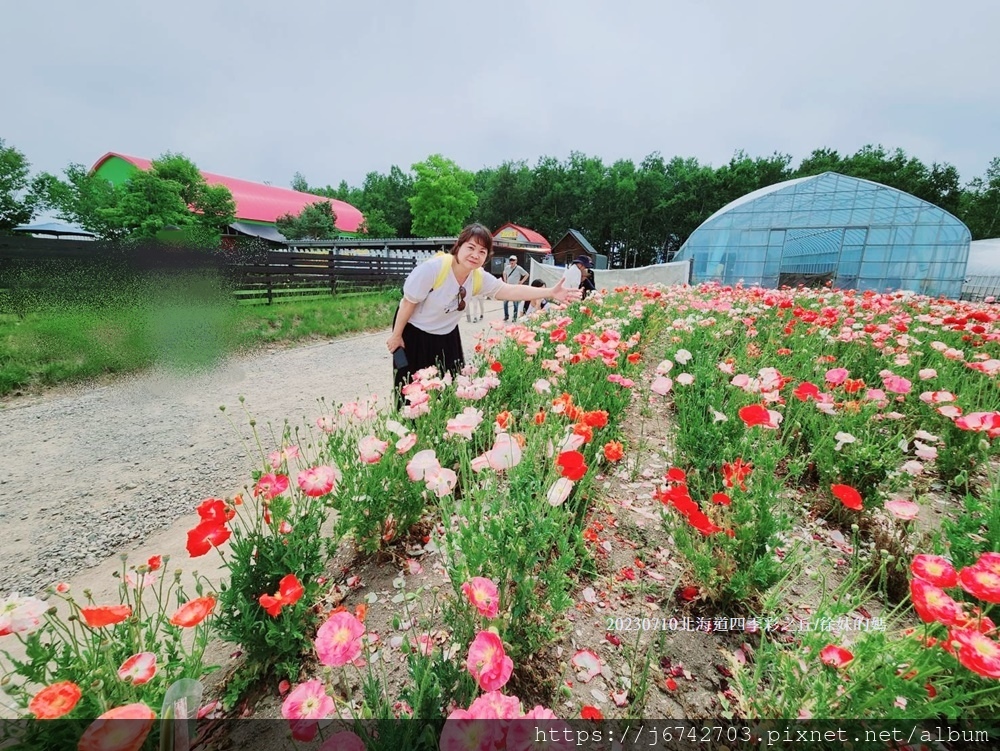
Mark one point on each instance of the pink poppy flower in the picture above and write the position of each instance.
(483, 594)
(488, 663)
(122, 728)
(308, 701)
(895, 384)
(421, 463)
(441, 481)
(936, 397)
(835, 657)
(685, 379)
(664, 367)
(465, 424)
(836, 376)
(318, 481)
(661, 385)
(559, 491)
(138, 669)
(925, 374)
(935, 570)
(903, 509)
(462, 732)
(327, 423)
(270, 486)
(405, 443)
(338, 641)
(950, 411)
(495, 706)
(345, 740)
(371, 449)
(505, 454)
(980, 582)
(542, 386)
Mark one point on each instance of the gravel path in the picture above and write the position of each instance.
(92, 470)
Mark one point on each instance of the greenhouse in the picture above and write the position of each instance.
(853, 233)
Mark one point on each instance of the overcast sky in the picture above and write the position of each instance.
(261, 90)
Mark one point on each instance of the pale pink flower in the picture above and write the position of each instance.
(405, 443)
(685, 379)
(371, 449)
(422, 463)
(936, 397)
(542, 386)
(479, 463)
(327, 423)
(717, 416)
(950, 411)
(397, 427)
(483, 594)
(925, 374)
(505, 454)
(664, 367)
(441, 481)
(841, 438)
(902, 509)
(138, 669)
(912, 468)
(895, 384)
(661, 385)
(683, 356)
(740, 381)
(923, 435)
(141, 581)
(338, 641)
(465, 424)
(571, 442)
(307, 701)
(925, 452)
(836, 376)
(21, 615)
(413, 411)
(726, 367)
(317, 481)
(488, 663)
(560, 491)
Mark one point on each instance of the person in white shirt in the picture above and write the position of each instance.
(573, 275)
(514, 274)
(425, 326)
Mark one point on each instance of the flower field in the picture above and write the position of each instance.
(708, 502)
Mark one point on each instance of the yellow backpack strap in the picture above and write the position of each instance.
(443, 271)
(477, 274)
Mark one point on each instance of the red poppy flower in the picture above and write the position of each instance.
(757, 414)
(980, 582)
(202, 538)
(215, 510)
(503, 419)
(977, 652)
(591, 713)
(933, 604)
(584, 431)
(721, 498)
(597, 418)
(848, 496)
(676, 475)
(290, 591)
(105, 615)
(935, 570)
(496, 367)
(539, 417)
(271, 485)
(834, 656)
(193, 612)
(689, 593)
(614, 451)
(853, 385)
(572, 464)
(155, 562)
(735, 473)
(634, 358)
(55, 701)
(806, 391)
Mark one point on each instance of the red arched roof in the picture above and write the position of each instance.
(533, 237)
(258, 202)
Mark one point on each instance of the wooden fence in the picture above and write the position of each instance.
(256, 276)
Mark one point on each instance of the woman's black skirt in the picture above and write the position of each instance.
(423, 350)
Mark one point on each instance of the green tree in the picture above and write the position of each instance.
(389, 194)
(211, 206)
(18, 196)
(980, 204)
(442, 199)
(81, 197)
(376, 225)
(317, 221)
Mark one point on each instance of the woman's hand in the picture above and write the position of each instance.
(394, 342)
(559, 293)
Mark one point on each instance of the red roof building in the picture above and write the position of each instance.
(255, 202)
(521, 238)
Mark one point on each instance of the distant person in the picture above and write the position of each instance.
(474, 312)
(573, 275)
(425, 328)
(514, 273)
(587, 284)
(533, 306)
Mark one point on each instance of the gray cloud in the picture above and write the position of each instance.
(261, 90)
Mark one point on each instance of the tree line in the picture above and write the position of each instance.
(635, 213)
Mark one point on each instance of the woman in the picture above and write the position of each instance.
(434, 296)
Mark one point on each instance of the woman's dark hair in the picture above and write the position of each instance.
(475, 232)
(538, 283)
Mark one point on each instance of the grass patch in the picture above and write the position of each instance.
(182, 321)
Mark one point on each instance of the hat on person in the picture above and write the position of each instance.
(584, 261)
(512, 258)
